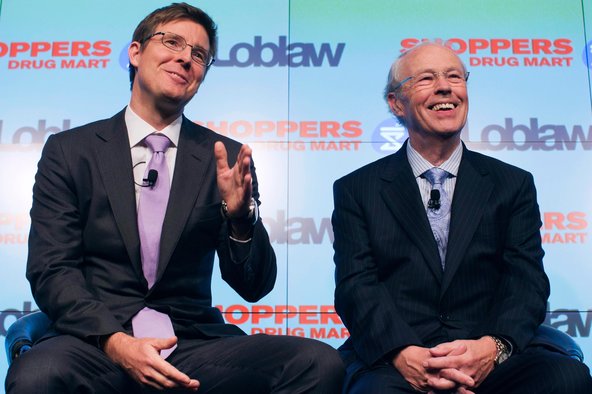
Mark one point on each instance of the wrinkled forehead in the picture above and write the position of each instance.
(193, 32)
(430, 57)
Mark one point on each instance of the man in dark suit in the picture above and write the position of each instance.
(449, 306)
(87, 262)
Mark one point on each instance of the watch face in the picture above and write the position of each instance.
(504, 355)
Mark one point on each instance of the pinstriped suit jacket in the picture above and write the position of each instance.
(390, 289)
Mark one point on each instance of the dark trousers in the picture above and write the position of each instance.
(536, 371)
(256, 364)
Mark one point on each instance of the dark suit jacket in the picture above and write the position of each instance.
(391, 291)
(84, 249)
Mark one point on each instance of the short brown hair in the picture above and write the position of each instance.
(173, 12)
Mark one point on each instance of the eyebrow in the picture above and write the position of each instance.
(431, 70)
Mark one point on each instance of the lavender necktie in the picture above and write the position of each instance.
(154, 197)
(439, 214)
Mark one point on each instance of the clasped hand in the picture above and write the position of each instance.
(460, 365)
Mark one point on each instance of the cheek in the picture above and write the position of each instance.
(198, 77)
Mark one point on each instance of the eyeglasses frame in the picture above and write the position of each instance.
(185, 45)
(435, 73)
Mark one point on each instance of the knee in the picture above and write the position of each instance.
(560, 374)
(573, 377)
(30, 374)
(316, 353)
(324, 361)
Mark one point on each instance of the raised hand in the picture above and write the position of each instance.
(235, 184)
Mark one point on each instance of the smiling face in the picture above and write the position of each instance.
(432, 111)
(165, 80)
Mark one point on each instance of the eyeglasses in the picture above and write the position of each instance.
(177, 43)
(428, 79)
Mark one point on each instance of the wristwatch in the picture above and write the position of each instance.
(251, 217)
(503, 351)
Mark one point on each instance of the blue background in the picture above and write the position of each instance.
(295, 175)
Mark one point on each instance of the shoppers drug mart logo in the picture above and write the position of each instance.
(389, 136)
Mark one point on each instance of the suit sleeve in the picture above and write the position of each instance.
(55, 260)
(250, 269)
(520, 301)
(361, 300)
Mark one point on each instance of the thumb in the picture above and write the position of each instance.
(165, 343)
(448, 349)
(443, 349)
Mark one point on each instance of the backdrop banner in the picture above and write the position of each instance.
(301, 82)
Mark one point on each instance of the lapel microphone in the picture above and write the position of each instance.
(434, 201)
(150, 180)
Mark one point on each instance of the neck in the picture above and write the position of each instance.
(157, 116)
(436, 152)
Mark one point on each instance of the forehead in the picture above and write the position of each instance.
(430, 58)
(191, 31)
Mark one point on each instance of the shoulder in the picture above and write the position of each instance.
(497, 170)
(485, 162)
(386, 167)
(195, 130)
(79, 134)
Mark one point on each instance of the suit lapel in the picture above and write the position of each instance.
(401, 195)
(194, 157)
(471, 194)
(115, 165)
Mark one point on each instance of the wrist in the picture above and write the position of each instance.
(104, 341)
(240, 221)
(100, 340)
(502, 350)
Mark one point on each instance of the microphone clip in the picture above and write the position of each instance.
(151, 178)
(434, 201)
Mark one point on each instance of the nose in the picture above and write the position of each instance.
(441, 83)
(184, 56)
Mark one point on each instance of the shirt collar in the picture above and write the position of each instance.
(138, 128)
(419, 165)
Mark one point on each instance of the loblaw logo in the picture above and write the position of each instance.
(531, 136)
(281, 54)
(574, 322)
(298, 230)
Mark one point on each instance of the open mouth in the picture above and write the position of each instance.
(443, 107)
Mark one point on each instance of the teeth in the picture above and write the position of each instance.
(176, 75)
(442, 106)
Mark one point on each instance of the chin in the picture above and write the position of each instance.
(448, 134)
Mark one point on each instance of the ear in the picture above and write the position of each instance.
(396, 105)
(134, 53)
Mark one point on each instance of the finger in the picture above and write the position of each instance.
(458, 350)
(165, 343)
(448, 360)
(457, 376)
(167, 376)
(244, 161)
(462, 390)
(441, 384)
(221, 157)
(446, 349)
(440, 350)
(441, 362)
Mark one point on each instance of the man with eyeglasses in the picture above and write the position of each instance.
(127, 216)
(439, 273)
